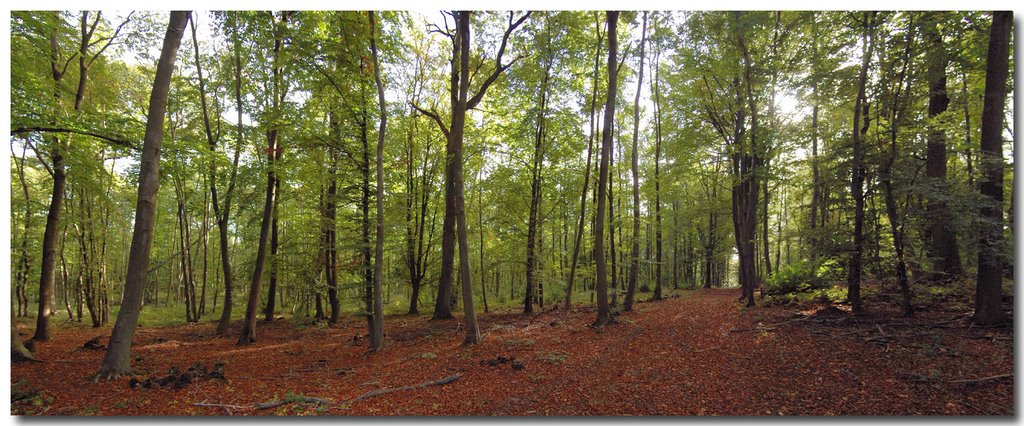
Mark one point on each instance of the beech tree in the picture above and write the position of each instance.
(988, 299)
(117, 361)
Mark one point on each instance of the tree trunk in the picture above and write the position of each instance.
(988, 300)
(118, 358)
(268, 312)
(223, 217)
(656, 91)
(604, 314)
(248, 334)
(857, 164)
(942, 241)
(586, 173)
(377, 331)
(49, 260)
(634, 259)
(536, 193)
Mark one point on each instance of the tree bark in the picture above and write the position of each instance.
(586, 173)
(988, 299)
(536, 190)
(604, 314)
(853, 277)
(656, 91)
(118, 358)
(634, 258)
(377, 331)
(248, 334)
(942, 241)
(224, 216)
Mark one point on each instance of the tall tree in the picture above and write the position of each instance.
(224, 215)
(656, 92)
(455, 217)
(988, 299)
(942, 242)
(860, 113)
(377, 329)
(278, 93)
(634, 259)
(117, 361)
(536, 169)
(586, 173)
(604, 314)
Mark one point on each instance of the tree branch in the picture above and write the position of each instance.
(111, 39)
(111, 139)
(498, 67)
(434, 115)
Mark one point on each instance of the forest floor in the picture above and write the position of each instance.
(697, 353)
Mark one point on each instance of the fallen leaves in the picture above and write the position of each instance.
(675, 357)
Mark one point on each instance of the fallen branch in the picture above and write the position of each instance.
(315, 400)
(768, 327)
(379, 392)
(983, 379)
(280, 402)
(208, 404)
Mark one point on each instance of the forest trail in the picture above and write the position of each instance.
(697, 354)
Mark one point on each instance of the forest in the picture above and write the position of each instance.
(511, 212)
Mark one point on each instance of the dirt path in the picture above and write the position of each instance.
(675, 357)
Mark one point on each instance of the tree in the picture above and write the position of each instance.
(455, 210)
(536, 170)
(279, 92)
(224, 215)
(860, 112)
(942, 242)
(656, 91)
(586, 173)
(117, 361)
(377, 329)
(634, 258)
(604, 314)
(988, 298)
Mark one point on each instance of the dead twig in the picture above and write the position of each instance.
(280, 402)
(379, 392)
(983, 379)
(225, 406)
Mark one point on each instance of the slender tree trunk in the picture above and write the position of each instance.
(248, 334)
(634, 259)
(536, 189)
(268, 313)
(118, 358)
(656, 91)
(857, 181)
(223, 217)
(586, 173)
(988, 300)
(604, 314)
(377, 331)
(49, 260)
